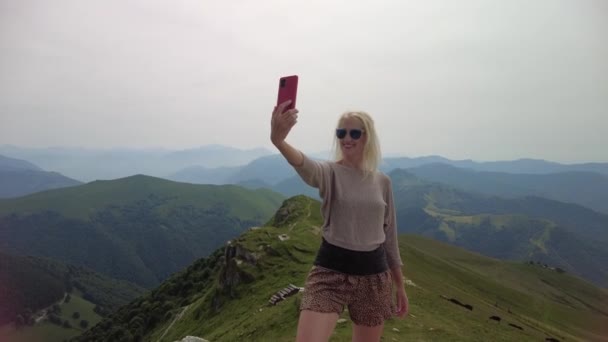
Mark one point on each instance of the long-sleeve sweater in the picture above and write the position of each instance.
(358, 212)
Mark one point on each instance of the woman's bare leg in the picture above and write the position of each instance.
(362, 333)
(316, 326)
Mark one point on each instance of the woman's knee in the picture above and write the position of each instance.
(364, 333)
(316, 326)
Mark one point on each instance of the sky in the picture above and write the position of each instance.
(478, 79)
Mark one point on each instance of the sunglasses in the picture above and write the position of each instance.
(354, 133)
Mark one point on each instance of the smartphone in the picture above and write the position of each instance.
(288, 90)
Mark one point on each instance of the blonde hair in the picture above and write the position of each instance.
(371, 151)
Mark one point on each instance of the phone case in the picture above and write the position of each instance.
(288, 90)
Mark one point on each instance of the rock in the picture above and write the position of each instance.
(341, 320)
(239, 252)
(395, 329)
(192, 339)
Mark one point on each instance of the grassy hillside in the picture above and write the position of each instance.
(140, 228)
(559, 234)
(225, 297)
(40, 295)
(29, 284)
(20, 288)
(46, 331)
(82, 201)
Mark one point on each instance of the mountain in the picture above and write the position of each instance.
(264, 171)
(12, 164)
(560, 234)
(588, 189)
(99, 164)
(20, 281)
(269, 169)
(21, 183)
(140, 228)
(526, 165)
(452, 292)
(203, 175)
(214, 156)
(19, 178)
(49, 301)
(21, 278)
(295, 186)
(553, 181)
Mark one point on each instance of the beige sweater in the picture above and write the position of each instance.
(359, 213)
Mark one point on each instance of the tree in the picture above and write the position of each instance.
(19, 321)
(27, 314)
(84, 324)
(76, 315)
(66, 324)
(54, 319)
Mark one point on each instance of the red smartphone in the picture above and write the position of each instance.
(288, 90)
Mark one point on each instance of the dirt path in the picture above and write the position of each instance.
(177, 317)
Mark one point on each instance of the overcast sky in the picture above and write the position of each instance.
(479, 79)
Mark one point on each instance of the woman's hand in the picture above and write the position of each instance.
(281, 123)
(402, 302)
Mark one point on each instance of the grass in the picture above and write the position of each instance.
(543, 302)
(81, 201)
(48, 332)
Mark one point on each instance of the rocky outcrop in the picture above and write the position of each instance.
(231, 274)
(239, 252)
(291, 210)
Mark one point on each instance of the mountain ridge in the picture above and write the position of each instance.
(226, 296)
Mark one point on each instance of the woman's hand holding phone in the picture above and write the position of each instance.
(282, 121)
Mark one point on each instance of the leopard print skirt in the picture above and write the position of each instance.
(368, 297)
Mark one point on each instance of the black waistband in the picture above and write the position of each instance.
(351, 262)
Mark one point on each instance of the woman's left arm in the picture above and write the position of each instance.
(402, 300)
(392, 250)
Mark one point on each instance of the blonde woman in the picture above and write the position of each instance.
(358, 261)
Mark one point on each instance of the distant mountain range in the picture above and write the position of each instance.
(97, 164)
(530, 228)
(531, 166)
(19, 177)
(93, 164)
(586, 188)
(12, 164)
(579, 187)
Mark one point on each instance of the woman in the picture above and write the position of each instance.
(359, 257)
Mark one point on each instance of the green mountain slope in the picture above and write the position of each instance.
(225, 297)
(29, 284)
(65, 319)
(140, 228)
(561, 235)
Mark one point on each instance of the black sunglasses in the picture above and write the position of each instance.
(354, 133)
